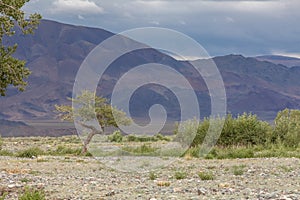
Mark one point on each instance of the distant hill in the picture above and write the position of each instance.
(55, 52)
(10, 128)
(284, 60)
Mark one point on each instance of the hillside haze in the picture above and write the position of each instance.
(55, 52)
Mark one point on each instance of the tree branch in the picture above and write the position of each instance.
(90, 127)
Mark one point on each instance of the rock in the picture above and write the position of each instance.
(111, 193)
(202, 191)
(10, 186)
(177, 190)
(224, 185)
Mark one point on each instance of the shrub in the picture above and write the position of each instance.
(249, 130)
(6, 153)
(155, 138)
(152, 176)
(180, 175)
(231, 153)
(131, 138)
(161, 137)
(246, 129)
(30, 153)
(201, 132)
(193, 152)
(287, 128)
(206, 176)
(2, 197)
(238, 170)
(145, 149)
(32, 194)
(116, 137)
(186, 133)
(63, 150)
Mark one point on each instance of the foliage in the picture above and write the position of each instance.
(144, 149)
(206, 176)
(13, 71)
(30, 152)
(249, 130)
(152, 176)
(32, 194)
(186, 132)
(161, 137)
(287, 128)
(2, 197)
(238, 170)
(193, 152)
(89, 106)
(154, 138)
(6, 153)
(246, 129)
(116, 137)
(231, 153)
(63, 150)
(180, 175)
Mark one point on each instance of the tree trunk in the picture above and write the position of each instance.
(87, 141)
(93, 132)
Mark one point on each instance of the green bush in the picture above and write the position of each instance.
(161, 137)
(155, 138)
(193, 152)
(186, 133)
(145, 149)
(249, 130)
(245, 130)
(131, 138)
(2, 197)
(287, 128)
(6, 153)
(30, 152)
(238, 170)
(116, 137)
(180, 175)
(63, 150)
(201, 132)
(152, 176)
(32, 194)
(206, 176)
(231, 153)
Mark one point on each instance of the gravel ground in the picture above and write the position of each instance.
(87, 178)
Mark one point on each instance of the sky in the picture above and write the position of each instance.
(222, 27)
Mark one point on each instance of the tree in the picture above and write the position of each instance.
(88, 105)
(13, 71)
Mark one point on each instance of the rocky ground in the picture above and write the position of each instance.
(76, 177)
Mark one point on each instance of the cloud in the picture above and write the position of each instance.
(77, 7)
(249, 27)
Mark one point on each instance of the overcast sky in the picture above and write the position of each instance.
(252, 27)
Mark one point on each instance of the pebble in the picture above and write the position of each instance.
(90, 180)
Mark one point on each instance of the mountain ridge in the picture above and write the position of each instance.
(55, 52)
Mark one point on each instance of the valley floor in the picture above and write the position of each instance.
(71, 177)
(62, 175)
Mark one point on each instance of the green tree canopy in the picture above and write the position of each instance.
(87, 105)
(13, 71)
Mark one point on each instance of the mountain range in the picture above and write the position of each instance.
(260, 85)
(284, 60)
